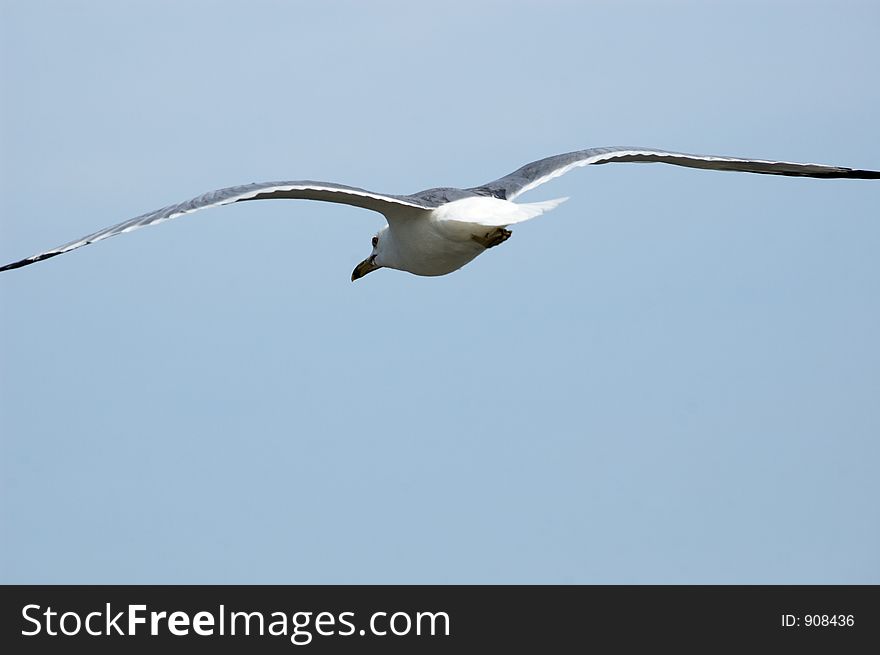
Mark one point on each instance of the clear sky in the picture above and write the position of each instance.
(672, 378)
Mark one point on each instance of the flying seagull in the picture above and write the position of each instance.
(437, 231)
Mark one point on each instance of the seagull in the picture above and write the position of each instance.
(439, 230)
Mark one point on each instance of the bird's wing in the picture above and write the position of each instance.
(306, 190)
(544, 170)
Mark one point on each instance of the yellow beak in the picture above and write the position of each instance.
(366, 266)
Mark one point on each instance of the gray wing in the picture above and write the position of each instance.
(305, 190)
(544, 170)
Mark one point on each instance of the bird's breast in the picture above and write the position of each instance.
(430, 247)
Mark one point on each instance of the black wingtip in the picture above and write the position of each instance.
(865, 175)
(832, 174)
(28, 261)
(829, 174)
(847, 173)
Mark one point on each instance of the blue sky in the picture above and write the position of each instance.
(671, 378)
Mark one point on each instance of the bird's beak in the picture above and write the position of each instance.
(366, 266)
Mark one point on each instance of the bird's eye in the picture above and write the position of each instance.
(375, 241)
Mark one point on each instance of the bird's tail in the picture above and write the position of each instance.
(527, 210)
(493, 212)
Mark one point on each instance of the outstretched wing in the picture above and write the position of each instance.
(544, 170)
(305, 190)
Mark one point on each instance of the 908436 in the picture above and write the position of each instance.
(818, 620)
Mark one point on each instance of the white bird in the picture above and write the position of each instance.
(437, 231)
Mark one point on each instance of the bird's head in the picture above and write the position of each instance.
(375, 260)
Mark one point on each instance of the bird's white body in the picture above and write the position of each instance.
(442, 240)
(427, 245)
